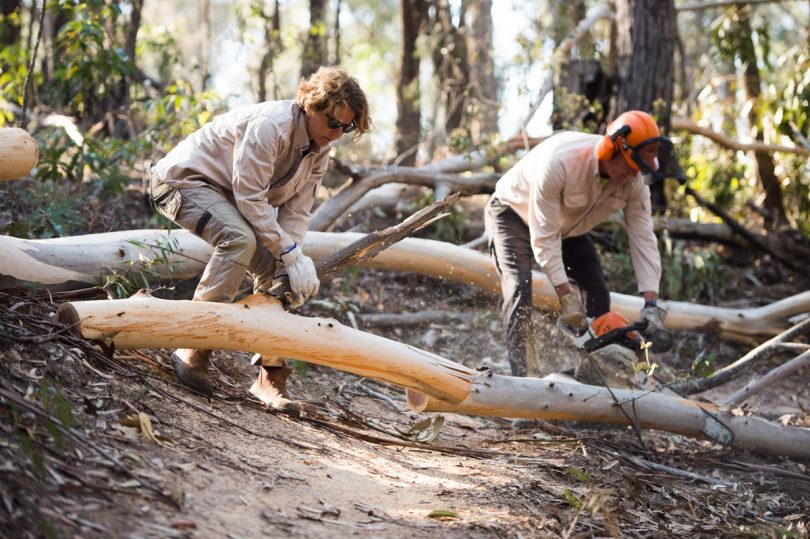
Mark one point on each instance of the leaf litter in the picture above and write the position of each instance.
(352, 462)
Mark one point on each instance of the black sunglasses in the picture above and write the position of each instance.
(334, 123)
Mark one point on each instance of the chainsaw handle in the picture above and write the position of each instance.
(612, 336)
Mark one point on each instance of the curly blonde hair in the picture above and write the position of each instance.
(329, 87)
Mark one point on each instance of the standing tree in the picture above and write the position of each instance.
(484, 117)
(450, 63)
(414, 14)
(273, 47)
(645, 45)
(10, 19)
(315, 53)
(736, 43)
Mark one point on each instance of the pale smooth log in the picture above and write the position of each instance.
(84, 258)
(78, 261)
(509, 396)
(260, 324)
(18, 153)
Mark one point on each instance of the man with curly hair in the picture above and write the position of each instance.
(246, 183)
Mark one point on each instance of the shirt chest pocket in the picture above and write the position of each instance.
(574, 199)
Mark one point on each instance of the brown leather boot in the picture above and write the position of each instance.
(271, 387)
(191, 367)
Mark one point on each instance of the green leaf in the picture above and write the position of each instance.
(443, 513)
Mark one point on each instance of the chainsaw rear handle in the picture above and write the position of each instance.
(612, 336)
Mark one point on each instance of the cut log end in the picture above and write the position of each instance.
(69, 316)
(417, 401)
(18, 153)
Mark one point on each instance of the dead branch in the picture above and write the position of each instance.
(740, 366)
(790, 242)
(685, 124)
(365, 180)
(370, 245)
(758, 384)
(739, 229)
(328, 213)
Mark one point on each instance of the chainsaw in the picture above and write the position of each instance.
(615, 348)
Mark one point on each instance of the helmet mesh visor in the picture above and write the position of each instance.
(668, 166)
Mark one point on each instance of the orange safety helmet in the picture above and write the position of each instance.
(628, 134)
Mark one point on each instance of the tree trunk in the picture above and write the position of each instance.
(763, 166)
(205, 53)
(18, 153)
(10, 19)
(80, 261)
(484, 121)
(272, 38)
(259, 324)
(315, 53)
(646, 37)
(451, 65)
(413, 15)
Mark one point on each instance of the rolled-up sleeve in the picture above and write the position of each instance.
(544, 222)
(254, 159)
(643, 243)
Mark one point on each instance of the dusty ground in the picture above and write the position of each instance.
(101, 443)
(78, 460)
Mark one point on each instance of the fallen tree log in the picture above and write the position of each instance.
(789, 242)
(326, 216)
(18, 153)
(509, 396)
(260, 324)
(79, 261)
(443, 174)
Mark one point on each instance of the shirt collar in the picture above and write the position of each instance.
(301, 137)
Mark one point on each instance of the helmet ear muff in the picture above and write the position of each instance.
(606, 148)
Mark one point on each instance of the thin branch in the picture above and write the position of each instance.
(685, 124)
(734, 370)
(758, 384)
(700, 6)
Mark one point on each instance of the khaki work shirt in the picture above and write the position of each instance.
(557, 190)
(260, 155)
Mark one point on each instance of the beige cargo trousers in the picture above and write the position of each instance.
(209, 212)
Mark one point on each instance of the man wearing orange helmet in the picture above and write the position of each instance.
(544, 207)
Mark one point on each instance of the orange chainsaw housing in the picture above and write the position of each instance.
(612, 320)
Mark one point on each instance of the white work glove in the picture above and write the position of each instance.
(572, 312)
(655, 332)
(655, 315)
(304, 281)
